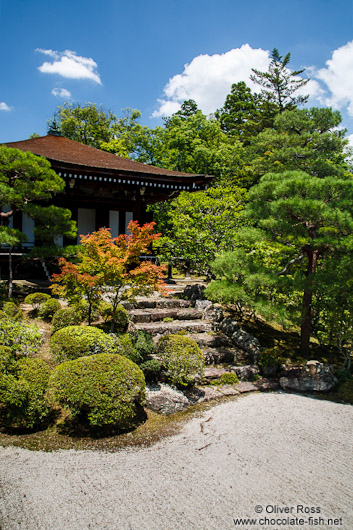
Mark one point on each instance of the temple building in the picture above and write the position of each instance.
(102, 189)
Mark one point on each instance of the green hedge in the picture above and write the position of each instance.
(102, 389)
(78, 341)
(23, 384)
(181, 359)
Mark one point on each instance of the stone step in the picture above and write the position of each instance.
(161, 328)
(158, 303)
(155, 315)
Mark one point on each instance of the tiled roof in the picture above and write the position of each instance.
(60, 149)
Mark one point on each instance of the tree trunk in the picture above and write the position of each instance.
(10, 273)
(305, 329)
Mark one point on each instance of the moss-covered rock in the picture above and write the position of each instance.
(78, 341)
(181, 359)
(23, 384)
(102, 389)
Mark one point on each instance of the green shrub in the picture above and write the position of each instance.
(344, 392)
(125, 347)
(68, 316)
(143, 343)
(48, 309)
(271, 357)
(119, 316)
(230, 378)
(36, 299)
(78, 341)
(22, 338)
(151, 370)
(12, 310)
(101, 389)
(181, 359)
(23, 385)
(82, 307)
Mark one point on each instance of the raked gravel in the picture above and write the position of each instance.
(272, 450)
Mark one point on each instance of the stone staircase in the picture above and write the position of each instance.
(160, 316)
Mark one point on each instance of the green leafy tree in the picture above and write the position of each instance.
(26, 179)
(110, 269)
(240, 117)
(198, 226)
(88, 124)
(280, 84)
(310, 220)
(303, 139)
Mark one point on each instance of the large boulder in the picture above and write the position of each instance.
(165, 399)
(313, 377)
(246, 373)
(249, 343)
(194, 292)
(228, 326)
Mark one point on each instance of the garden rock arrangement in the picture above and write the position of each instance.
(314, 376)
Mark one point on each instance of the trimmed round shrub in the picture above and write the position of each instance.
(102, 389)
(125, 347)
(78, 341)
(48, 309)
(68, 316)
(22, 338)
(23, 385)
(36, 299)
(181, 359)
(12, 310)
(230, 378)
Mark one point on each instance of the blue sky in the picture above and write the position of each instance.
(153, 54)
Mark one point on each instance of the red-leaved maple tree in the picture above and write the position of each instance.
(110, 269)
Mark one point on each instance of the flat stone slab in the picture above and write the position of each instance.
(212, 373)
(172, 327)
(245, 386)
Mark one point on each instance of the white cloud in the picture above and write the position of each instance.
(68, 64)
(208, 79)
(4, 106)
(61, 93)
(338, 77)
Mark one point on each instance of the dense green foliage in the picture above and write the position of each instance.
(101, 389)
(12, 310)
(200, 225)
(72, 342)
(48, 309)
(119, 315)
(181, 359)
(36, 300)
(23, 384)
(22, 338)
(67, 316)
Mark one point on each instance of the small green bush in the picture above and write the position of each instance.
(22, 338)
(68, 316)
(181, 359)
(271, 357)
(78, 341)
(23, 385)
(230, 378)
(119, 316)
(143, 343)
(48, 309)
(151, 370)
(12, 310)
(125, 347)
(82, 307)
(36, 299)
(102, 389)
